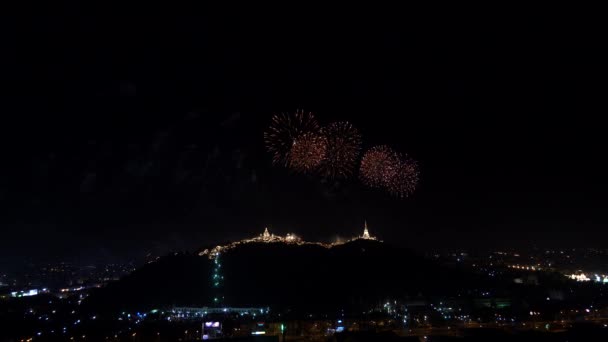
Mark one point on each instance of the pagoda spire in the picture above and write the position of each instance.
(365, 231)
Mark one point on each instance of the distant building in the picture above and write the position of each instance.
(366, 235)
(30, 293)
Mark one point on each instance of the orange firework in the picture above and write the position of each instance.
(284, 129)
(307, 152)
(343, 148)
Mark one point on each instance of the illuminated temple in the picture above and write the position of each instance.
(366, 235)
(267, 237)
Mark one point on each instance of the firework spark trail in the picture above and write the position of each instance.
(379, 166)
(343, 149)
(284, 129)
(307, 152)
(406, 179)
(382, 167)
(296, 141)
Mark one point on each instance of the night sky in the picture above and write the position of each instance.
(141, 130)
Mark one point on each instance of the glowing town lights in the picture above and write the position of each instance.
(579, 277)
(30, 293)
(525, 267)
(582, 277)
(217, 278)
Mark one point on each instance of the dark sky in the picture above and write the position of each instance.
(140, 129)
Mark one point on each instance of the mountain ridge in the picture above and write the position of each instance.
(355, 274)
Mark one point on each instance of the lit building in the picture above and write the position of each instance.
(366, 235)
(266, 235)
(30, 293)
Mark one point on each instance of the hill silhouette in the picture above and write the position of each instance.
(286, 276)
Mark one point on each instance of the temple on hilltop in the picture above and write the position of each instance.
(366, 235)
(268, 237)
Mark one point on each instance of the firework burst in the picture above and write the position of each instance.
(343, 149)
(379, 166)
(284, 129)
(406, 179)
(383, 167)
(307, 152)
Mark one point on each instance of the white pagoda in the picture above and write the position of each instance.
(366, 235)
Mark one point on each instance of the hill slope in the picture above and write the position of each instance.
(356, 274)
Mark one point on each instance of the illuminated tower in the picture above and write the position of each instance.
(366, 232)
